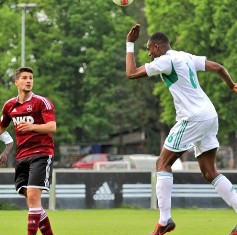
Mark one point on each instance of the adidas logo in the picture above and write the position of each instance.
(14, 110)
(232, 189)
(103, 193)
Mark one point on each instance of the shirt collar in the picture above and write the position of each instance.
(29, 98)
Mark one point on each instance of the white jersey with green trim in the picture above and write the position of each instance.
(178, 70)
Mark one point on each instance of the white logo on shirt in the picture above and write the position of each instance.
(18, 120)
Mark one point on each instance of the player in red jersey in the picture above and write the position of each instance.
(34, 123)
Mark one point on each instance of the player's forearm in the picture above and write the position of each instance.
(131, 69)
(223, 73)
(130, 65)
(8, 148)
(4, 154)
(49, 127)
(7, 139)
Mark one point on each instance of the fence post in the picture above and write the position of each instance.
(52, 192)
(153, 190)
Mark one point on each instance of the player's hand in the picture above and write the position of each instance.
(24, 127)
(133, 34)
(3, 158)
(234, 89)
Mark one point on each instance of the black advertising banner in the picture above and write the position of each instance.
(104, 189)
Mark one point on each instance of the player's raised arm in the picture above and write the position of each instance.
(131, 68)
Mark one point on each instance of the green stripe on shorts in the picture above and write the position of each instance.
(180, 134)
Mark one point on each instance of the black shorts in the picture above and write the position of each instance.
(33, 172)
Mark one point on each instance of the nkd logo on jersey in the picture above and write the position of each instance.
(18, 120)
(104, 193)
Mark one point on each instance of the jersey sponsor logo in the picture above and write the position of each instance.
(103, 193)
(18, 120)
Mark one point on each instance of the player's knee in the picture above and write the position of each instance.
(33, 198)
(162, 165)
(158, 164)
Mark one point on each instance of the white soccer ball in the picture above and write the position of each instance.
(123, 3)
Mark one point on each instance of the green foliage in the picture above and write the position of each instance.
(7, 206)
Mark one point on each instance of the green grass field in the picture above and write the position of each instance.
(123, 222)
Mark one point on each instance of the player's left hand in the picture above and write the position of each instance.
(234, 89)
(133, 34)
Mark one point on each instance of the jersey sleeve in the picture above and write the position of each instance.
(199, 62)
(159, 65)
(48, 111)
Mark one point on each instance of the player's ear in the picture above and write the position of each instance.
(15, 81)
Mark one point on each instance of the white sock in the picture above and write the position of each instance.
(35, 210)
(164, 186)
(226, 190)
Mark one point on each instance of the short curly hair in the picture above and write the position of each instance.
(159, 37)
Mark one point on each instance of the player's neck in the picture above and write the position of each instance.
(23, 96)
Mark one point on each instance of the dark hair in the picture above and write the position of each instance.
(159, 37)
(21, 70)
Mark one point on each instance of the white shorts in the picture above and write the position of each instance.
(187, 134)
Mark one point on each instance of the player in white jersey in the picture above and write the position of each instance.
(197, 120)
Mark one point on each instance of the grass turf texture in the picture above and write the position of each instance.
(123, 221)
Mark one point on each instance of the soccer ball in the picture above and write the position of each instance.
(123, 3)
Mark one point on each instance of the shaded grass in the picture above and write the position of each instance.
(123, 221)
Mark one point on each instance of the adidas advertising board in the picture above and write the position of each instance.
(103, 189)
(104, 193)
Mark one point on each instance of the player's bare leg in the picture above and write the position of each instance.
(33, 198)
(35, 207)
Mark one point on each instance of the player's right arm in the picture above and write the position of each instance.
(132, 71)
